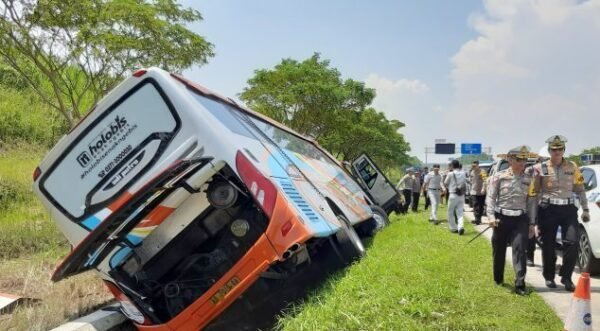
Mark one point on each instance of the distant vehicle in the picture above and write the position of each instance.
(589, 241)
(382, 195)
(181, 200)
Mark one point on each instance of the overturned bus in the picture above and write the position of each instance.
(181, 199)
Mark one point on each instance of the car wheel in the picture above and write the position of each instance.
(586, 260)
(376, 223)
(346, 242)
(380, 217)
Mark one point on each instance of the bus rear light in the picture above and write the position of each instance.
(36, 173)
(285, 229)
(139, 73)
(262, 189)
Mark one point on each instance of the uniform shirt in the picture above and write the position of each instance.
(507, 190)
(453, 184)
(406, 183)
(416, 184)
(477, 179)
(433, 181)
(560, 181)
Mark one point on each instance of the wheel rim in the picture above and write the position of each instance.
(379, 220)
(584, 251)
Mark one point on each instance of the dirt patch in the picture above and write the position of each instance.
(59, 302)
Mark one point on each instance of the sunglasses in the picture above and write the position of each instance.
(557, 149)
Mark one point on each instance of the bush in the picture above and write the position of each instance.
(10, 192)
(24, 118)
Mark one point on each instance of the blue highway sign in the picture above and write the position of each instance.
(470, 148)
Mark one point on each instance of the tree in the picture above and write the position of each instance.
(311, 98)
(72, 51)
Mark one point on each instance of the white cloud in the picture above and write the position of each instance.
(386, 85)
(411, 102)
(532, 71)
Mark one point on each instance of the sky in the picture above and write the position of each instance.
(497, 72)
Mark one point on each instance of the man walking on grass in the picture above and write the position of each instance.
(507, 204)
(432, 187)
(405, 185)
(455, 183)
(476, 179)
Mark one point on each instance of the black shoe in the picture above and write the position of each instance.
(520, 290)
(569, 286)
(550, 284)
(436, 222)
(454, 231)
(499, 283)
(530, 263)
(461, 232)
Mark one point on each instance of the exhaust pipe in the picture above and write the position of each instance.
(290, 251)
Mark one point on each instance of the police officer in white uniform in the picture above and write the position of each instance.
(507, 205)
(455, 183)
(432, 186)
(555, 182)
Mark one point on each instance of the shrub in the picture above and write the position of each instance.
(24, 118)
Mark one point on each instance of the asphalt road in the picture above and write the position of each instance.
(558, 299)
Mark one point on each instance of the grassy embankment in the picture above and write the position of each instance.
(30, 248)
(417, 276)
(30, 243)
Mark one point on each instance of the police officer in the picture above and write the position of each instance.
(405, 185)
(416, 191)
(433, 188)
(424, 173)
(507, 205)
(554, 183)
(476, 179)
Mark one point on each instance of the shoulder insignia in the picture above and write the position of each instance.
(578, 177)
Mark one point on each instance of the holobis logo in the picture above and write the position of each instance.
(101, 141)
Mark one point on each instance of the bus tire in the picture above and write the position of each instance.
(379, 221)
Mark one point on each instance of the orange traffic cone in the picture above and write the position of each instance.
(580, 313)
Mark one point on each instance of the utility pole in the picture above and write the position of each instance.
(427, 151)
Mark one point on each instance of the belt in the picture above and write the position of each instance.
(433, 189)
(558, 201)
(510, 212)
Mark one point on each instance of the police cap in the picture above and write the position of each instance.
(556, 142)
(519, 152)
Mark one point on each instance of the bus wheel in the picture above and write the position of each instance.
(376, 223)
(346, 243)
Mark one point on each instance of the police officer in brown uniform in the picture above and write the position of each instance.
(554, 183)
(406, 184)
(477, 178)
(507, 204)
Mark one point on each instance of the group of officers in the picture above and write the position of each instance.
(524, 202)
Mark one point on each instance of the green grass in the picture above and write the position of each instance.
(418, 276)
(25, 226)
